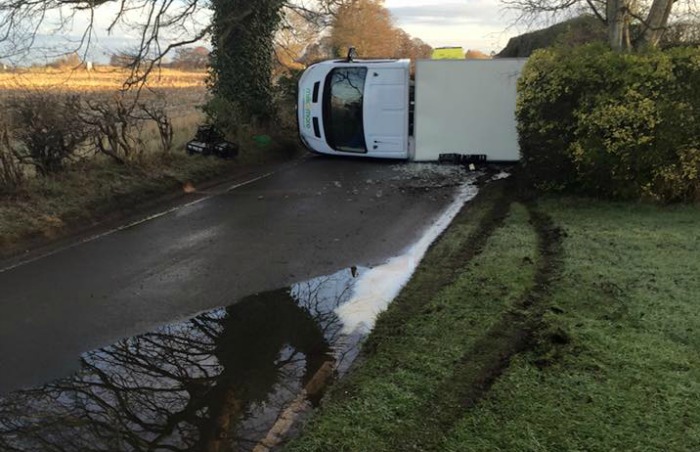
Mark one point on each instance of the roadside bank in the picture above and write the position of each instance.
(93, 193)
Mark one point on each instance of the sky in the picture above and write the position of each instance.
(472, 24)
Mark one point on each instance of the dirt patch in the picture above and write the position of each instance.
(428, 176)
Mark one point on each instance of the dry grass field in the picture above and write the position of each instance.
(99, 79)
(180, 91)
(184, 91)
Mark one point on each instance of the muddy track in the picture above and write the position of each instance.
(520, 329)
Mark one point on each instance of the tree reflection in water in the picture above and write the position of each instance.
(217, 382)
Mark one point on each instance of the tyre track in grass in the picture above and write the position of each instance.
(519, 329)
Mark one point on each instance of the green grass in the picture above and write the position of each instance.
(606, 350)
(629, 378)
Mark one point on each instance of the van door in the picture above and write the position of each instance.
(385, 110)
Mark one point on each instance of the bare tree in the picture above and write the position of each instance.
(298, 31)
(46, 128)
(161, 26)
(70, 61)
(112, 125)
(122, 59)
(241, 33)
(190, 58)
(155, 111)
(631, 24)
(682, 33)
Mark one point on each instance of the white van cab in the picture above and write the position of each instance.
(355, 107)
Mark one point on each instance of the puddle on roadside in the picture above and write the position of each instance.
(235, 378)
(216, 382)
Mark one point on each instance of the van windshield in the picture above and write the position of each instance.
(342, 109)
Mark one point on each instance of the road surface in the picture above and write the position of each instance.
(305, 220)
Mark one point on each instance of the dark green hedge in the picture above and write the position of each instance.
(611, 124)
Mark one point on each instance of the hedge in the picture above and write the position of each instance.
(614, 125)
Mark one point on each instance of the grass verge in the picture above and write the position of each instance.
(569, 324)
(625, 374)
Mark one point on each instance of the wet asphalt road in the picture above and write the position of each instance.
(305, 220)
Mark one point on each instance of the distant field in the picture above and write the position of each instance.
(101, 78)
(183, 90)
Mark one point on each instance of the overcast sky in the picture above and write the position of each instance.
(472, 24)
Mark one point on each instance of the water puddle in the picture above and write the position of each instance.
(235, 378)
(217, 382)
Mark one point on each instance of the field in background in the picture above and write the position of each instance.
(101, 78)
(183, 91)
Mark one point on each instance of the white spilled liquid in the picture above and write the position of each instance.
(377, 287)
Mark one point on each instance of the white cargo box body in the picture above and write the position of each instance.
(466, 107)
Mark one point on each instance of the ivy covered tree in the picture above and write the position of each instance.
(241, 59)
